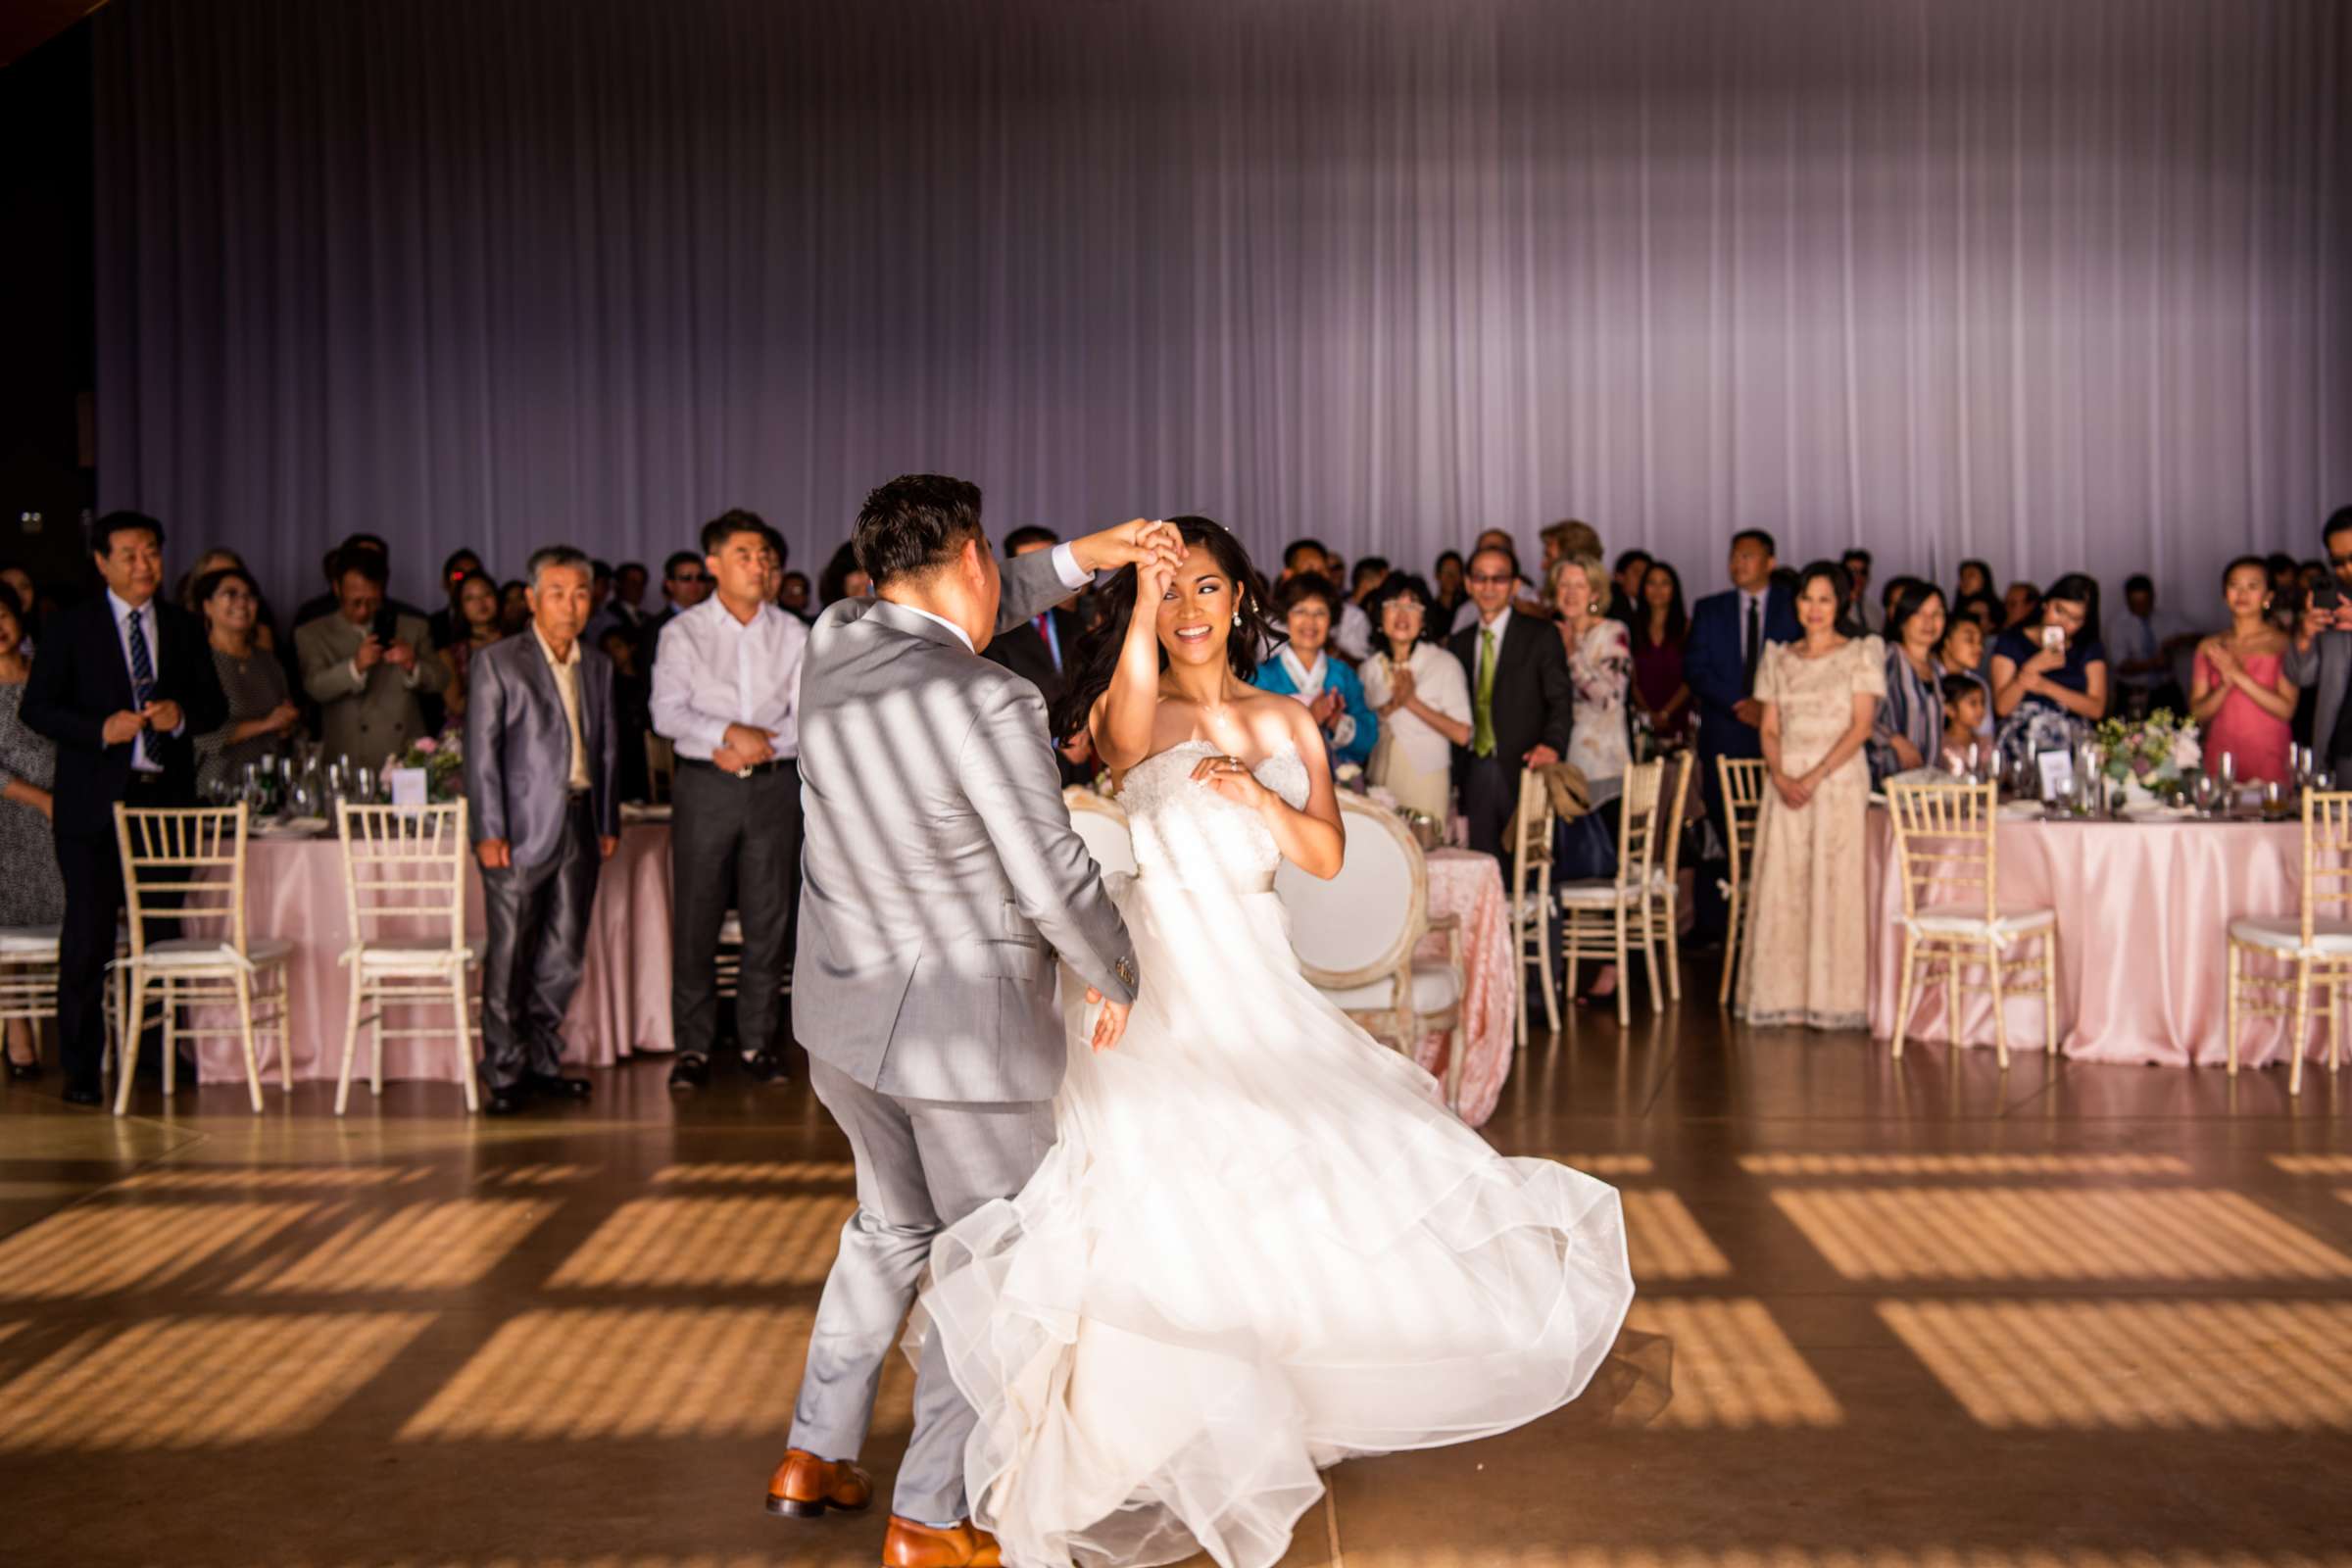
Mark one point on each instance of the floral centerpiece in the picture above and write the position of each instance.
(2147, 758)
(443, 759)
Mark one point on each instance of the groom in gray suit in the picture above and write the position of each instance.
(940, 878)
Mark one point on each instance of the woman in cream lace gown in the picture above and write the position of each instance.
(1262, 1245)
(1804, 952)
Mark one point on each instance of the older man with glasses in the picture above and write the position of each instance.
(685, 583)
(1521, 705)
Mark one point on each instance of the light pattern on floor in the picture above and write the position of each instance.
(639, 1372)
(262, 1178)
(1665, 1242)
(2043, 1234)
(417, 1247)
(199, 1381)
(1963, 1165)
(758, 1172)
(672, 1242)
(2314, 1164)
(2138, 1364)
(1734, 1368)
(97, 1248)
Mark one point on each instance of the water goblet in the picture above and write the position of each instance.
(2205, 793)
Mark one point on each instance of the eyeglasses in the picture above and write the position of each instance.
(1490, 579)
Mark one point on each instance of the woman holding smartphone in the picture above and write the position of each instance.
(2049, 675)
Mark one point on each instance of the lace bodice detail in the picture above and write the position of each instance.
(1188, 834)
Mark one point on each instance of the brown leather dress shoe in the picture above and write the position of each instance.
(803, 1487)
(912, 1545)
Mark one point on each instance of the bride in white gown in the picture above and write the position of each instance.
(1262, 1245)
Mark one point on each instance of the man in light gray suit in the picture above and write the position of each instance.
(940, 878)
(542, 776)
(2322, 655)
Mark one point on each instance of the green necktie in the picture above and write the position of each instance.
(1482, 735)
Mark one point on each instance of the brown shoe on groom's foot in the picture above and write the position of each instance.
(912, 1545)
(803, 1487)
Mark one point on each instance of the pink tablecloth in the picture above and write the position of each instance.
(1465, 883)
(294, 890)
(2143, 918)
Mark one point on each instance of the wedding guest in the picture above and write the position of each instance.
(1450, 592)
(475, 625)
(1037, 650)
(263, 719)
(2143, 640)
(32, 893)
(265, 634)
(1962, 655)
(2241, 694)
(1600, 669)
(1418, 691)
(513, 607)
(1967, 719)
(796, 598)
(843, 578)
(365, 665)
(123, 686)
(2320, 657)
(685, 583)
(1974, 581)
(1365, 580)
(1808, 928)
(542, 769)
(1351, 629)
(1895, 587)
(1524, 601)
(334, 565)
(1983, 608)
(445, 625)
(1660, 633)
(632, 709)
(1521, 704)
(1857, 563)
(1303, 667)
(1625, 588)
(1909, 731)
(2050, 678)
(1729, 633)
(623, 606)
(28, 598)
(2020, 606)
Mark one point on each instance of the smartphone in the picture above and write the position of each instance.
(2053, 638)
(2325, 598)
(386, 627)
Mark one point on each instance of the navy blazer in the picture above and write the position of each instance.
(81, 679)
(1714, 665)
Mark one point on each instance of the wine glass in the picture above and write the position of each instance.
(2205, 793)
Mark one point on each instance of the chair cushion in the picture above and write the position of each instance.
(2284, 934)
(28, 941)
(1953, 919)
(1596, 894)
(200, 952)
(1435, 988)
(413, 954)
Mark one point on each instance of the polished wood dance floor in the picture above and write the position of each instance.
(1923, 1316)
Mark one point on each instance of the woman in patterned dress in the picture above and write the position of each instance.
(1601, 673)
(261, 715)
(32, 893)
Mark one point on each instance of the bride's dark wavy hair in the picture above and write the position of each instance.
(1096, 655)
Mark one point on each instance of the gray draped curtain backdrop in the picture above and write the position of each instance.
(2057, 283)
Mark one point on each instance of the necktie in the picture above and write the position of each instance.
(1752, 646)
(1482, 739)
(142, 681)
(1044, 629)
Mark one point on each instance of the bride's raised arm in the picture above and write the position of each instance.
(1122, 716)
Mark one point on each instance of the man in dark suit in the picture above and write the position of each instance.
(1728, 634)
(542, 785)
(124, 685)
(1039, 649)
(1521, 705)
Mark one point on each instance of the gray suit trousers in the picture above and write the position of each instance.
(535, 926)
(922, 1165)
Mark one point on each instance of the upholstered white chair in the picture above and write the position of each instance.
(2316, 943)
(1945, 850)
(187, 864)
(1103, 823)
(1356, 935)
(1742, 780)
(1600, 919)
(406, 864)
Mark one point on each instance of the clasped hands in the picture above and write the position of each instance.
(123, 728)
(375, 651)
(745, 746)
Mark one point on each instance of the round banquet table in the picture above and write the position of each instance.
(1468, 884)
(294, 891)
(2143, 920)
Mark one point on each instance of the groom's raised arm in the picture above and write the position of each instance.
(1007, 773)
(1036, 582)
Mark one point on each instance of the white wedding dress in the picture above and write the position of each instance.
(1262, 1245)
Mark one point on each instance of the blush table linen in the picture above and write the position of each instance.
(2143, 920)
(294, 892)
(1468, 884)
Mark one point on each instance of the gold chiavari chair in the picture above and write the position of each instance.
(196, 856)
(406, 864)
(1665, 905)
(2316, 941)
(660, 769)
(1742, 780)
(1944, 844)
(1531, 894)
(1602, 918)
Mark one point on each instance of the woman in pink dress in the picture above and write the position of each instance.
(2241, 696)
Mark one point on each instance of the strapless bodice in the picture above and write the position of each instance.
(1188, 834)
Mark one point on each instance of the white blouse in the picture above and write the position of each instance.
(1438, 681)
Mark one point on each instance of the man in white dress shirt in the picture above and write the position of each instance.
(726, 695)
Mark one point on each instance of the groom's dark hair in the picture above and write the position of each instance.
(914, 525)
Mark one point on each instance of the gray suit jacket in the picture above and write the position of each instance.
(365, 717)
(518, 746)
(939, 872)
(2327, 663)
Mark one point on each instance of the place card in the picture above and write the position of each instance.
(410, 792)
(2057, 774)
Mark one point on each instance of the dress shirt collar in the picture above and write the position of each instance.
(571, 662)
(1498, 625)
(1306, 680)
(761, 614)
(123, 609)
(1760, 599)
(961, 635)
